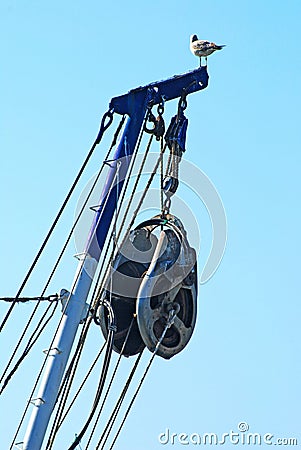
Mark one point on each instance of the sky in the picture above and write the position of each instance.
(61, 65)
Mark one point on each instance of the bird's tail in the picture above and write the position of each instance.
(219, 47)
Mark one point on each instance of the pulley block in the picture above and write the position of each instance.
(170, 284)
(153, 273)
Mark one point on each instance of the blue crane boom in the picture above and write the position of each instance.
(134, 104)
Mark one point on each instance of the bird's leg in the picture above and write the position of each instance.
(200, 61)
(206, 60)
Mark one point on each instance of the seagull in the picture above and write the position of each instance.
(202, 48)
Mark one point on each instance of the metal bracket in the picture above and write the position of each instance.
(17, 445)
(96, 208)
(37, 401)
(169, 89)
(83, 255)
(109, 161)
(52, 351)
(64, 298)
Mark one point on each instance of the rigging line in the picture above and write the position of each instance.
(138, 175)
(46, 357)
(97, 291)
(168, 324)
(136, 184)
(106, 432)
(131, 171)
(37, 379)
(161, 183)
(84, 430)
(67, 390)
(129, 227)
(111, 381)
(103, 127)
(142, 198)
(49, 348)
(106, 363)
(82, 384)
(66, 384)
(150, 180)
(106, 273)
(50, 298)
(47, 354)
(32, 340)
(75, 360)
(96, 295)
(115, 137)
(61, 418)
(29, 346)
(18, 345)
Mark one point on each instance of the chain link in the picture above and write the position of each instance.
(158, 128)
(175, 139)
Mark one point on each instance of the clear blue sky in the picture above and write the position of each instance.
(61, 64)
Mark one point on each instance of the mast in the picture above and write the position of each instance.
(135, 105)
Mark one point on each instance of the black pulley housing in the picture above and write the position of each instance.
(122, 287)
(154, 272)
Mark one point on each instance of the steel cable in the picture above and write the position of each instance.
(106, 432)
(46, 357)
(111, 381)
(60, 415)
(105, 367)
(168, 324)
(31, 343)
(58, 261)
(102, 129)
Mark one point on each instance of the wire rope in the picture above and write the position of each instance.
(113, 234)
(46, 357)
(103, 127)
(61, 415)
(111, 381)
(168, 324)
(74, 363)
(106, 432)
(49, 298)
(66, 384)
(25, 353)
(67, 388)
(159, 162)
(121, 227)
(42, 325)
(66, 395)
(105, 367)
(99, 284)
(109, 344)
(82, 385)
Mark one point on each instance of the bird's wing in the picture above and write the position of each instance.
(199, 44)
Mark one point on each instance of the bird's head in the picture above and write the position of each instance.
(193, 38)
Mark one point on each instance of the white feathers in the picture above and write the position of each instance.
(202, 48)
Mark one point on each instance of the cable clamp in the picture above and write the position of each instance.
(37, 401)
(112, 327)
(52, 351)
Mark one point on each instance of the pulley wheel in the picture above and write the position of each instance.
(152, 314)
(169, 284)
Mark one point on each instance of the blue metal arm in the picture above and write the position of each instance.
(192, 81)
